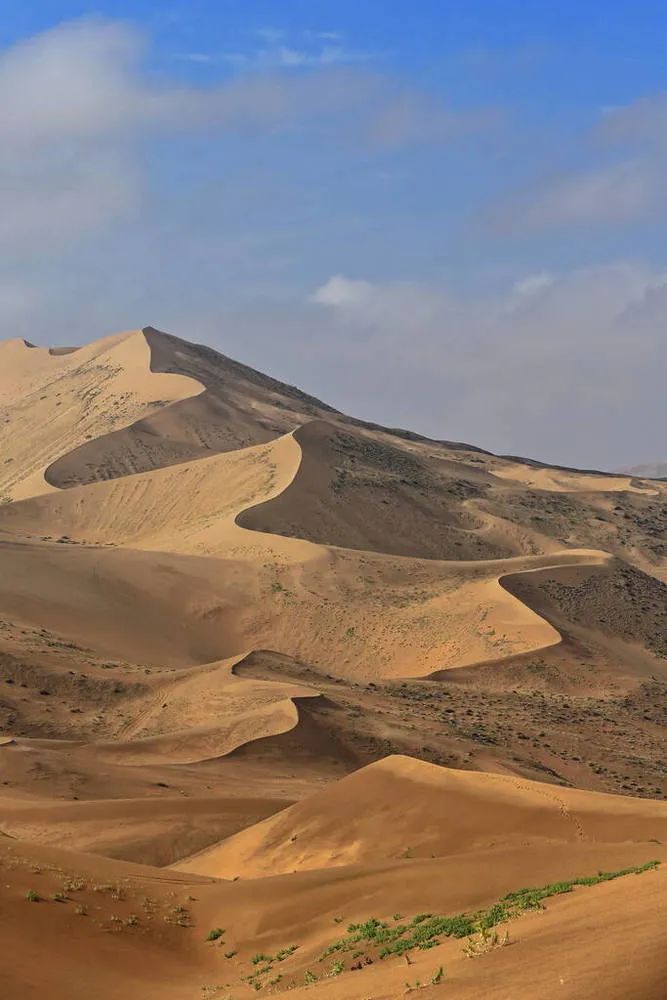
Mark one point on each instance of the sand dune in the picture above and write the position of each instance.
(579, 948)
(412, 809)
(233, 619)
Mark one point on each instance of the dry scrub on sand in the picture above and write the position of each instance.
(271, 677)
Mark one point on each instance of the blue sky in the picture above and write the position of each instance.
(448, 216)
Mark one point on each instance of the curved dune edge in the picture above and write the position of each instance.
(596, 559)
(442, 812)
(197, 744)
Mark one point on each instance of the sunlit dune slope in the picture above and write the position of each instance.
(187, 508)
(358, 614)
(581, 947)
(405, 808)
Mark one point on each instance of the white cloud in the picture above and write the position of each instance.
(378, 307)
(531, 284)
(340, 291)
(73, 81)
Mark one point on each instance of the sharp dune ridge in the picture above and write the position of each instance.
(248, 637)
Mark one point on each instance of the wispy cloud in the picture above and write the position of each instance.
(75, 102)
(621, 192)
(289, 50)
(197, 57)
(324, 36)
(643, 121)
(290, 57)
(279, 57)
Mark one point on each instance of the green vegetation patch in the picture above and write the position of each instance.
(426, 930)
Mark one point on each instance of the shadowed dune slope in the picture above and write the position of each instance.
(404, 808)
(149, 830)
(359, 492)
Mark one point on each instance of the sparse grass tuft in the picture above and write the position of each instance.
(486, 940)
(438, 976)
(285, 952)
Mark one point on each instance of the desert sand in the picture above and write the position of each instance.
(270, 670)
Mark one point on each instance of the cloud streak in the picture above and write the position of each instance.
(76, 104)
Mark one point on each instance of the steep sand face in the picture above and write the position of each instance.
(219, 597)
